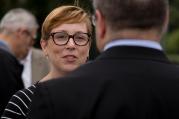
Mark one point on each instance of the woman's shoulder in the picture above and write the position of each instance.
(26, 91)
(19, 103)
(23, 97)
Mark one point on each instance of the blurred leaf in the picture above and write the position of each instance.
(174, 58)
(171, 42)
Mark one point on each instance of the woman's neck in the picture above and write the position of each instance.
(52, 75)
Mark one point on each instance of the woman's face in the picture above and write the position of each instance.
(67, 57)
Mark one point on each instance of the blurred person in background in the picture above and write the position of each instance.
(66, 43)
(131, 79)
(36, 66)
(18, 29)
(34, 62)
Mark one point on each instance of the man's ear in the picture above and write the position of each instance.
(100, 24)
(100, 30)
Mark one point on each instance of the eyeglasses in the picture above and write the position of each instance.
(30, 35)
(62, 38)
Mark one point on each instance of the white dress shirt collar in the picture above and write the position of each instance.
(133, 42)
(27, 71)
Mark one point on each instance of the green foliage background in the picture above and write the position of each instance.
(41, 8)
(170, 42)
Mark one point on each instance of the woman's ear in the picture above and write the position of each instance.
(44, 44)
(87, 58)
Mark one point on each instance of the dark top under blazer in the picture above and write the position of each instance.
(10, 77)
(122, 83)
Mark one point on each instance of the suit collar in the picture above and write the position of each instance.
(133, 52)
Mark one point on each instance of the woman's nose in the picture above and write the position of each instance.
(71, 43)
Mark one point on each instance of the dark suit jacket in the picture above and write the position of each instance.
(10, 77)
(122, 83)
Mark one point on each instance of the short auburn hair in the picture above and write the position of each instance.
(65, 14)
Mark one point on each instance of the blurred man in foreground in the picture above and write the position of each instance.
(131, 79)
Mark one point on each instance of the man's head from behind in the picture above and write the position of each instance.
(137, 16)
(19, 26)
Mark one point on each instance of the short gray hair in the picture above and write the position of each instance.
(18, 18)
(140, 14)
